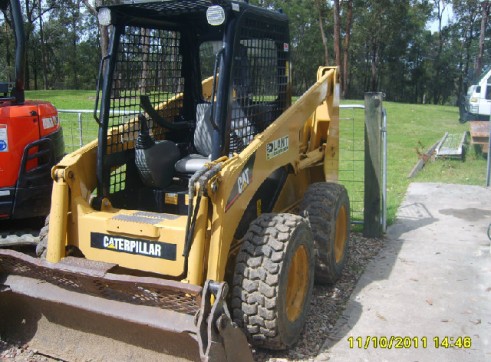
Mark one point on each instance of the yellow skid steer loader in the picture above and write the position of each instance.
(206, 207)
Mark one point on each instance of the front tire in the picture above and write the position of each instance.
(273, 280)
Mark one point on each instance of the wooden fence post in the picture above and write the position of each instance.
(372, 223)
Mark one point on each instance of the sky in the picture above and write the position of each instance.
(446, 19)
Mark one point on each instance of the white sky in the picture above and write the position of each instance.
(446, 19)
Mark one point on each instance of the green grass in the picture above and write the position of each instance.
(415, 128)
(66, 99)
(411, 129)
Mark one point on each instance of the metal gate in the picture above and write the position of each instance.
(357, 152)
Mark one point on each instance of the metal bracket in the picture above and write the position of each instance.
(219, 338)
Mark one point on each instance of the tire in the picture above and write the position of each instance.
(326, 206)
(43, 240)
(273, 280)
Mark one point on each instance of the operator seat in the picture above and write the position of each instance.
(203, 137)
(202, 142)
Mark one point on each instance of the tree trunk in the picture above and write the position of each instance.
(323, 35)
(44, 64)
(484, 21)
(374, 68)
(104, 39)
(467, 47)
(103, 30)
(346, 44)
(27, 77)
(337, 34)
(74, 59)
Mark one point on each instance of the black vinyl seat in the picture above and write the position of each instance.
(202, 142)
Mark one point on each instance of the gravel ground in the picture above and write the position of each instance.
(328, 303)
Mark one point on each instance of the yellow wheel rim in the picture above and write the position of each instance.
(341, 234)
(298, 281)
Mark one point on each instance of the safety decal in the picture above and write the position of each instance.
(4, 139)
(277, 147)
(153, 249)
(243, 181)
(50, 122)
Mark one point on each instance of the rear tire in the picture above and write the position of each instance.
(326, 206)
(43, 240)
(273, 280)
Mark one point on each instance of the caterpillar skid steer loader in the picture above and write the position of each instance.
(206, 207)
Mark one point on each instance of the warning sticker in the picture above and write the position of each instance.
(4, 139)
(49, 122)
(277, 147)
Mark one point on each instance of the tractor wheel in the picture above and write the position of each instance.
(43, 240)
(273, 280)
(326, 206)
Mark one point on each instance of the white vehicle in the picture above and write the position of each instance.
(477, 104)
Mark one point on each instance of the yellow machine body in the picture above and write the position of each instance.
(306, 142)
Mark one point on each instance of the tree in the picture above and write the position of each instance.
(337, 34)
(320, 5)
(484, 21)
(103, 30)
(466, 15)
(382, 38)
(346, 45)
(379, 45)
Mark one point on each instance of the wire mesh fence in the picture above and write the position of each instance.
(79, 127)
(352, 157)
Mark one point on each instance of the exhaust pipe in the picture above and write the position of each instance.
(20, 57)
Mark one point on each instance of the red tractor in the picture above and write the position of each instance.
(31, 139)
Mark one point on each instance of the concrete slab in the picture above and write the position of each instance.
(431, 281)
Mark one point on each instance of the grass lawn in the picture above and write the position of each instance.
(415, 128)
(66, 99)
(412, 129)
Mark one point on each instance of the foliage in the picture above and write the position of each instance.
(390, 48)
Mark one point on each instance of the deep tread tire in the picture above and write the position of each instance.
(43, 240)
(322, 205)
(273, 280)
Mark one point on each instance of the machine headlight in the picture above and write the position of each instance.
(104, 16)
(473, 100)
(215, 15)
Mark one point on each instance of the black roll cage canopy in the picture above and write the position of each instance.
(188, 16)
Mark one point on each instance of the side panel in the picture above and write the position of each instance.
(278, 146)
(18, 128)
